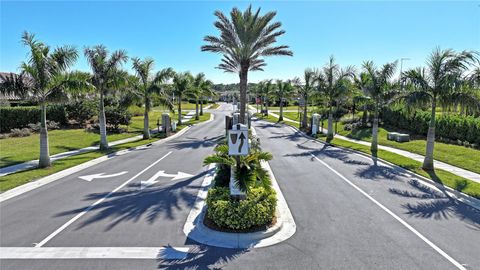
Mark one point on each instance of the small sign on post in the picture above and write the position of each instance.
(238, 140)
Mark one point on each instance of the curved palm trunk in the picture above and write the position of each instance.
(243, 92)
(330, 124)
(304, 121)
(201, 106)
(179, 110)
(103, 125)
(374, 144)
(280, 118)
(428, 161)
(196, 109)
(146, 123)
(44, 160)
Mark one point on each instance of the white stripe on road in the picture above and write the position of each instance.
(164, 253)
(96, 203)
(404, 223)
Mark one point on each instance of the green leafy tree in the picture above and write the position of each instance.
(106, 76)
(333, 85)
(266, 90)
(441, 78)
(244, 40)
(44, 79)
(283, 90)
(197, 91)
(305, 90)
(206, 92)
(147, 87)
(182, 86)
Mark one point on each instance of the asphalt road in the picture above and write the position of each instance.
(351, 212)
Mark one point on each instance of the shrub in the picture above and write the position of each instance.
(16, 132)
(116, 116)
(136, 110)
(20, 117)
(256, 210)
(51, 125)
(82, 111)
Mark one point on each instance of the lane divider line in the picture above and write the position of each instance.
(79, 215)
(404, 223)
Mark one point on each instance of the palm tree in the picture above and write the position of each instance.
(182, 83)
(380, 89)
(441, 77)
(145, 87)
(44, 78)
(332, 83)
(244, 39)
(266, 90)
(304, 90)
(206, 91)
(196, 91)
(284, 90)
(106, 76)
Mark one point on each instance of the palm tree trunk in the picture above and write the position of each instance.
(330, 125)
(304, 121)
(44, 160)
(243, 92)
(428, 161)
(103, 125)
(374, 144)
(196, 108)
(365, 115)
(201, 106)
(281, 110)
(146, 126)
(179, 110)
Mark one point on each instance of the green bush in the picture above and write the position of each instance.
(82, 110)
(116, 116)
(20, 117)
(451, 127)
(256, 210)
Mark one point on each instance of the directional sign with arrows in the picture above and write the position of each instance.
(89, 178)
(153, 179)
(238, 141)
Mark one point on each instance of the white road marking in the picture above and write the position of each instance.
(79, 215)
(404, 223)
(100, 175)
(153, 179)
(165, 253)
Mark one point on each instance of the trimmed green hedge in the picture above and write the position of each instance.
(256, 210)
(452, 127)
(20, 117)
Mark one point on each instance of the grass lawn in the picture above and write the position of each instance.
(456, 155)
(214, 106)
(13, 180)
(185, 106)
(272, 119)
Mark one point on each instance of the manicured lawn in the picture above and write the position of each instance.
(272, 119)
(17, 150)
(214, 106)
(13, 180)
(460, 156)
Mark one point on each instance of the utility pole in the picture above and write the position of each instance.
(401, 70)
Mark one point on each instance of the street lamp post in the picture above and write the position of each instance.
(401, 68)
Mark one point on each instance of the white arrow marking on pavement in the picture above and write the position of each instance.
(153, 179)
(100, 175)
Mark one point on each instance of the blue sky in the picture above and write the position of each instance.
(172, 32)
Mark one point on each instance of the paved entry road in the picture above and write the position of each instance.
(351, 211)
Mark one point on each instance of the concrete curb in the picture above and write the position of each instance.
(58, 175)
(455, 194)
(197, 231)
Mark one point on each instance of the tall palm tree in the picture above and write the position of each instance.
(380, 88)
(441, 77)
(106, 76)
(182, 86)
(147, 87)
(206, 91)
(196, 91)
(266, 90)
(310, 78)
(333, 85)
(283, 90)
(44, 78)
(244, 39)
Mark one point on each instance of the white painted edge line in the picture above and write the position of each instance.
(162, 253)
(58, 175)
(196, 230)
(79, 215)
(401, 221)
(455, 194)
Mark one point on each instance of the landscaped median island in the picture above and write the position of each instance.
(16, 179)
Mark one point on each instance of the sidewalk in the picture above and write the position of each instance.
(34, 163)
(438, 164)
